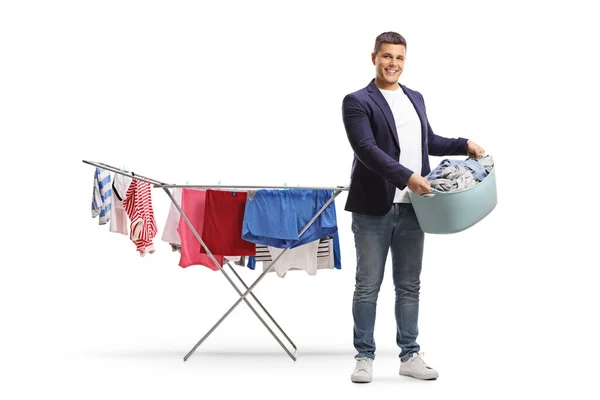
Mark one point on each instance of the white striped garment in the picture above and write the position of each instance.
(263, 254)
(102, 196)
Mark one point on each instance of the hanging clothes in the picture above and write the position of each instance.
(328, 256)
(101, 196)
(276, 217)
(195, 209)
(138, 205)
(223, 218)
(119, 219)
(193, 205)
(302, 257)
(309, 257)
(170, 233)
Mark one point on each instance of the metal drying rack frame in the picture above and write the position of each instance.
(248, 289)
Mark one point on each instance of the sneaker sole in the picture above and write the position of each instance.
(424, 378)
(361, 380)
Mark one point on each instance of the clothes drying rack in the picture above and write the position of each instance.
(248, 289)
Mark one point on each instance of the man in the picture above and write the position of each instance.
(386, 124)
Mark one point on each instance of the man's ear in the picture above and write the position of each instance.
(373, 56)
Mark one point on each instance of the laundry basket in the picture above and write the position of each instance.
(452, 212)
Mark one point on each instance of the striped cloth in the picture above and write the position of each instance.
(263, 253)
(138, 205)
(102, 196)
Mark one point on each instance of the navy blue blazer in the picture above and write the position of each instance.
(371, 130)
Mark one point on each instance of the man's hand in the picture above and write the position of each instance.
(474, 150)
(418, 185)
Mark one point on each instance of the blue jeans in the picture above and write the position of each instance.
(399, 231)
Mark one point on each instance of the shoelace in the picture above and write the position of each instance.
(362, 364)
(419, 360)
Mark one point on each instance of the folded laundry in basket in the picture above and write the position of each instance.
(453, 180)
(471, 164)
(487, 162)
(453, 175)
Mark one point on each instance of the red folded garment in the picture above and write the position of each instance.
(223, 218)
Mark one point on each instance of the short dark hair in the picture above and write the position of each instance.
(389, 37)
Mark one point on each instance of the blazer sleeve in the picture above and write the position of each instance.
(362, 141)
(442, 146)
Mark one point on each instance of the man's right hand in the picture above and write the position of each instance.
(418, 185)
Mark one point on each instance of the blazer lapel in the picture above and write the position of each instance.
(378, 98)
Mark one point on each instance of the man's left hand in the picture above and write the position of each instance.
(474, 150)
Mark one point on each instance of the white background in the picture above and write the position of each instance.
(250, 93)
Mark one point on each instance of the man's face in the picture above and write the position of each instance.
(389, 63)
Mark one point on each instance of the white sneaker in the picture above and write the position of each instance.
(363, 373)
(416, 367)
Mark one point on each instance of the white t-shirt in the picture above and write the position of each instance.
(119, 219)
(408, 126)
(301, 257)
(305, 257)
(170, 234)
